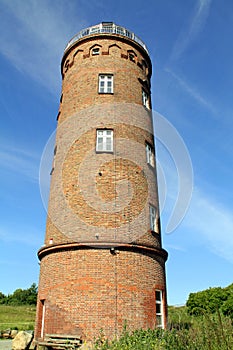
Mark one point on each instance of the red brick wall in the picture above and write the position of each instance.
(87, 290)
(102, 200)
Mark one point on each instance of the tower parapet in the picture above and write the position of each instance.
(106, 28)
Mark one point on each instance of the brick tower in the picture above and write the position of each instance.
(102, 264)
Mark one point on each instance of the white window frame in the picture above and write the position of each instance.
(104, 140)
(153, 215)
(145, 99)
(159, 308)
(105, 83)
(150, 156)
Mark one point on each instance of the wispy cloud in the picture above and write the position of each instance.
(191, 30)
(192, 92)
(176, 247)
(19, 161)
(33, 37)
(214, 222)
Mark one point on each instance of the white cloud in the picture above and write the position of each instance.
(35, 36)
(193, 28)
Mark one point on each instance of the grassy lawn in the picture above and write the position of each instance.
(19, 317)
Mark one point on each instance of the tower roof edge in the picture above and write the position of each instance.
(104, 28)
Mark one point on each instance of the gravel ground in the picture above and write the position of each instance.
(5, 344)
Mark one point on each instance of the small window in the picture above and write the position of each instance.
(159, 308)
(150, 157)
(153, 218)
(132, 57)
(95, 51)
(145, 99)
(106, 84)
(104, 141)
(54, 158)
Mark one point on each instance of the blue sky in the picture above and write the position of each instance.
(190, 46)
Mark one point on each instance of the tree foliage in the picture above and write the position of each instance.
(20, 296)
(211, 300)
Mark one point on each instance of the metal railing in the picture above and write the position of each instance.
(106, 27)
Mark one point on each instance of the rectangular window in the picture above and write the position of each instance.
(106, 84)
(153, 211)
(104, 141)
(95, 51)
(145, 99)
(150, 157)
(159, 308)
(42, 312)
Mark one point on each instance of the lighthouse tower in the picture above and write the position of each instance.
(102, 264)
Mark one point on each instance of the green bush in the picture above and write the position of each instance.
(206, 332)
(211, 300)
(20, 297)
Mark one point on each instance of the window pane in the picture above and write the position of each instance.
(145, 99)
(159, 320)
(108, 145)
(158, 295)
(152, 221)
(100, 144)
(158, 309)
(149, 155)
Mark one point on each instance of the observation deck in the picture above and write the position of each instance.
(106, 28)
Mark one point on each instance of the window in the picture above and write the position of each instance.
(132, 56)
(152, 218)
(104, 141)
(95, 51)
(145, 99)
(106, 83)
(42, 312)
(53, 166)
(150, 157)
(159, 308)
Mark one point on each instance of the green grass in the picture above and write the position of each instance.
(206, 332)
(17, 317)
